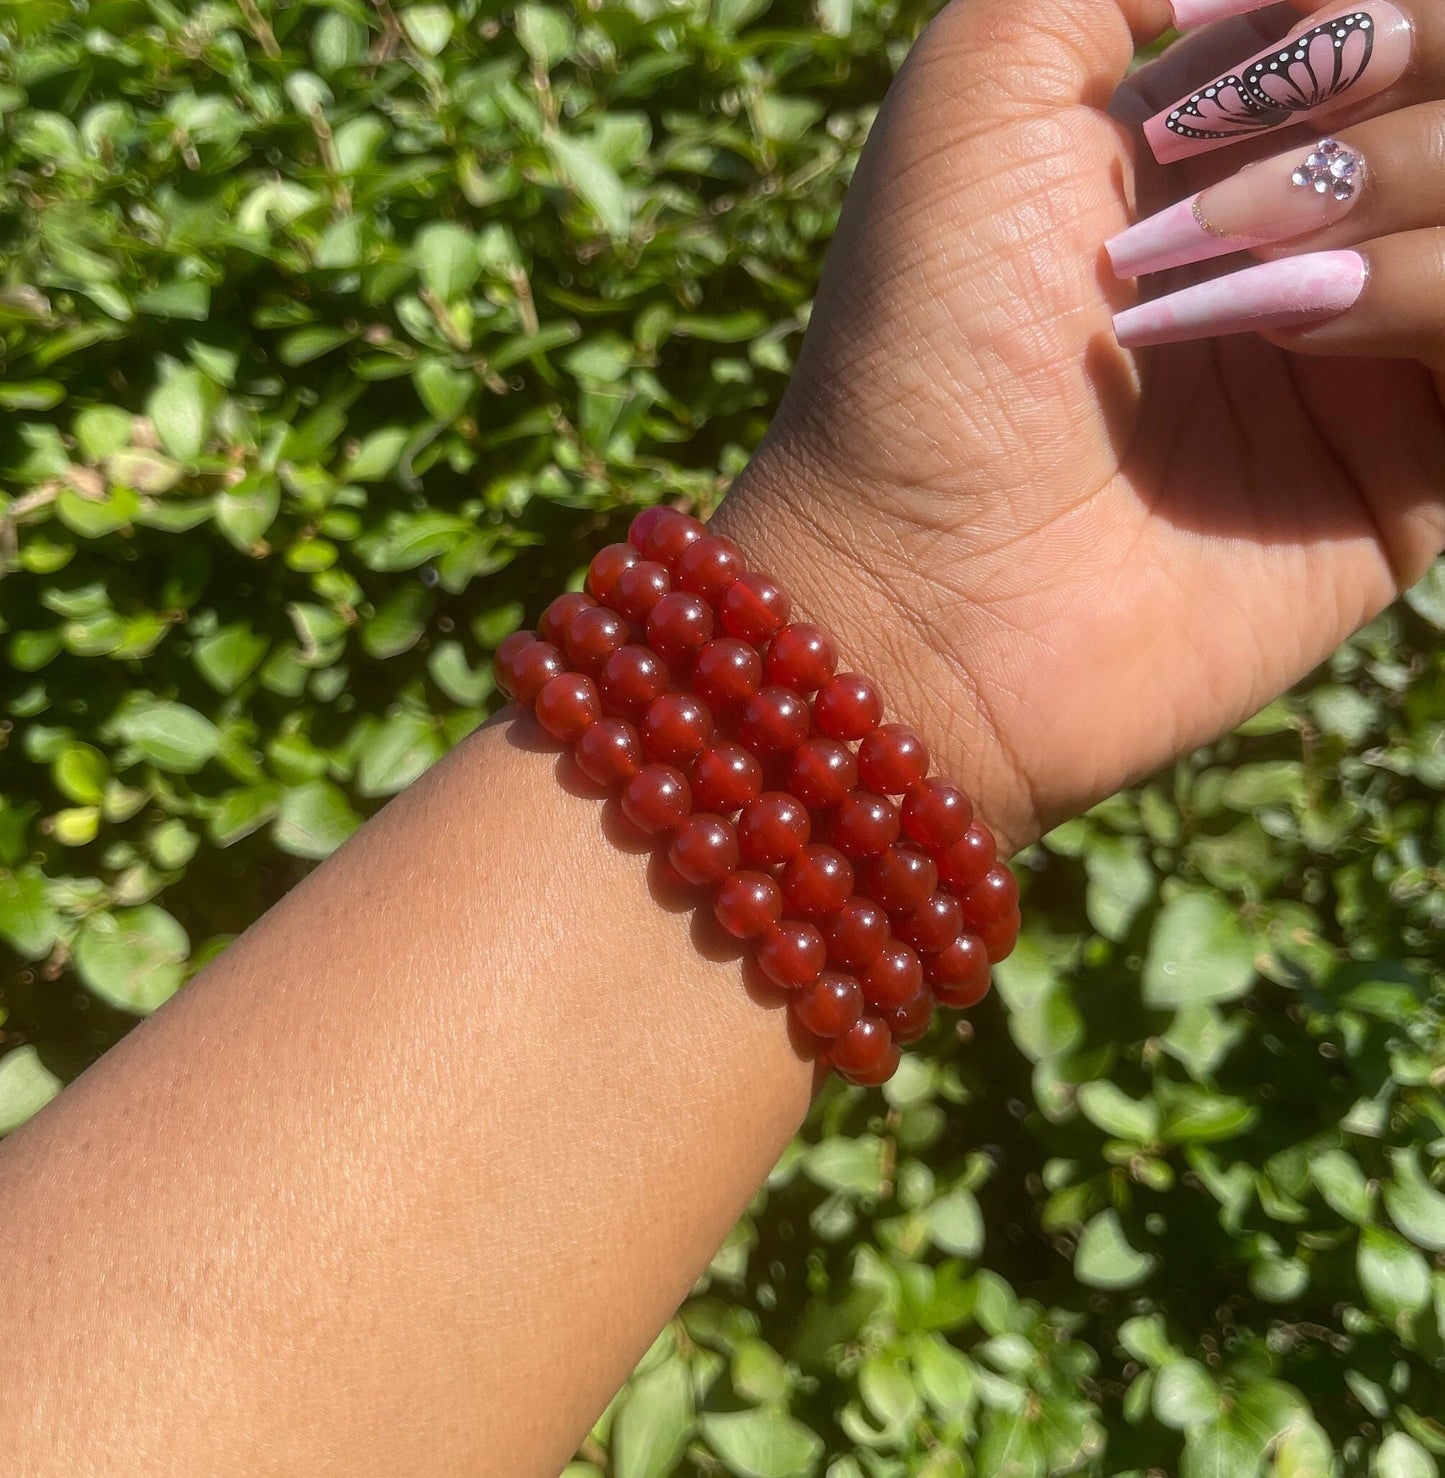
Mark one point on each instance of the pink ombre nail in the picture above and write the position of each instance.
(1325, 65)
(1291, 291)
(1191, 13)
(1279, 199)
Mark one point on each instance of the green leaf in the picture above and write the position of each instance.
(1427, 598)
(81, 772)
(651, 1429)
(314, 819)
(850, 1165)
(759, 1373)
(134, 958)
(594, 179)
(955, 1224)
(1415, 1206)
(1104, 1258)
(1394, 1276)
(26, 1086)
(171, 736)
(1219, 1452)
(404, 747)
(28, 922)
(444, 391)
(1400, 1456)
(1198, 951)
(545, 33)
(1121, 882)
(1184, 1395)
(177, 409)
(762, 1444)
(1342, 1183)
(1113, 1111)
(229, 656)
(428, 27)
(447, 256)
(888, 1392)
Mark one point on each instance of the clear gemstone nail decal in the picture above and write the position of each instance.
(1330, 169)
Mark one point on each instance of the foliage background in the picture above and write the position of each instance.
(335, 337)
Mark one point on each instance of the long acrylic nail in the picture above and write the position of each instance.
(1276, 200)
(1325, 65)
(1191, 13)
(1281, 294)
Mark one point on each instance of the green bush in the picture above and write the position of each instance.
(335, 337)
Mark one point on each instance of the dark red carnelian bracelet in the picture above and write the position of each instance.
(871, 890)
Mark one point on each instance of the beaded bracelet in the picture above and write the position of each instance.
(870, 889)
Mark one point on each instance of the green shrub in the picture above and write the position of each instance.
(335, 337)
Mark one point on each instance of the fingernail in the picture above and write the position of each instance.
(1327, 65)
(1293, 290)
(1191, 13)
(1278, 199)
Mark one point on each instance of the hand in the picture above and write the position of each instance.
(1065, 562)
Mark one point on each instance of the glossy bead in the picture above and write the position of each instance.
(533, 668)
(821, 772)
(848, 707)
(933, 926)
(936, 814)
(704, 848)
(754, 608)
(901, 879)
(773, 829)
(667, 537)
(776, 721)
(679, 625)
(592, 636)
(893, 977)
(748, 904)
(792, 954)
(725, 778)
(994, 896)
(676, 728)
(506, 655)
(864, 824)
(632, 677)
(818, 881)
(966, 861)
(657, 799)
(708, 566)
(866, 1054)
(728, 672)
(640, 588)
(644, 523)
(958, 975)
(1000, 937)
(892, 759)
(609, 752)
(558, 616)
(857, 933)
(567, 705)
(910, 1021)
(802, 657)
(830, 1006)
(606, 569)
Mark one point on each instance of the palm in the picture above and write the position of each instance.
(1119, 566)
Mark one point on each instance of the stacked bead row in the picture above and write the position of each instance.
(871, 890)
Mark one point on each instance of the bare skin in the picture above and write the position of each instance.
(408, 1179)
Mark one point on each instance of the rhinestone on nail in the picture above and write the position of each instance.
(1330, 169)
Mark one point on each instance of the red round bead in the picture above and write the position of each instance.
(848, 707)
(708, 566)
(609, 752)
(994, 896)
(969, 858)
(932, 926)
(821, 772)
(792, 954)
(657, 799)
(901, 879)
(892, 978)
(864, 825)
(645, 522)
(754, 608)
(640, 588)
(802, 657)
(959, 974)
(606, 569)
(567, 705)
(666, 538)
(866, 1054)
(506, 655)
(727, 672)
(676, 728)
(726, 777)
(910, 1021)
(704, 848)
(776, 721)
(679, 624)
(830, 1006)
(632, 677)
(857, 933)
(936, 814)
(748, 904)
(818, 881)
(1000, 937)
(558, 616)
(892, 759)
(773, 828)
(592, 636)
(533, 668)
